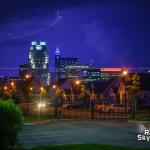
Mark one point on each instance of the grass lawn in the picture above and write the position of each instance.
(86, 147)
(35, 118)
(141, 119)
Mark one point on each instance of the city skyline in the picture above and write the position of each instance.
(114, 38)
(14, 71)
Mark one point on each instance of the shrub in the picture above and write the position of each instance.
(11, 122)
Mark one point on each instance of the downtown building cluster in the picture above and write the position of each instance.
(65, 67)
(70, 77)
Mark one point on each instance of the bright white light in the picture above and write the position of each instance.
(39, 105)
(43, 105)
(38, 47)
(33, 43)
(30, 56)
(125, 72)
(42, 43)
(44, 66)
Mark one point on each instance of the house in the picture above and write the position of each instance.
(111, 91)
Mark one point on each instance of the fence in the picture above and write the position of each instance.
(79, 109)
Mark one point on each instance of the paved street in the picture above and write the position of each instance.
(82, 131)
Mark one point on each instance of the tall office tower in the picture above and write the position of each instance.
(61, 63)
(38, 61)
(57, 64)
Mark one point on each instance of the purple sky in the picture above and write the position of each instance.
(112, 33)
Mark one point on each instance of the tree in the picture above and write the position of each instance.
(59, 93)
(11, 122)
(133, 89)
(57, 102)
(84, 94)
(134, 86)
(23, 89)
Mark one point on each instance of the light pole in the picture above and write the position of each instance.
(41, 92)
(13, 90)
(40, 105)
(125, 73)
(72, 95)
(65, 96)
(5, 89)
(31, 89)
(27, 77)
(92, 100)
(55, 87)
(77, 83)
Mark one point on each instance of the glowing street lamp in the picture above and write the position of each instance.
(54, 86)
(40, 106)
(31, 88)
(12, 83)
(27, 76)
(77, 82)
(42, 89)
(125, 72)
(5, 87)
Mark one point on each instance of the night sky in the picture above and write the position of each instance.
(114, 33)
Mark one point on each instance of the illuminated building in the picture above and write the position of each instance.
(102, 74)
(38, 61)
(91, 75)
(76, 70)
(61, 63)
(107, 73)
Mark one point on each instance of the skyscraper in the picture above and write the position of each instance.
(38, 62)
(57, 64)
(61, 63)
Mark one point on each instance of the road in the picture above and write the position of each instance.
(82, 131)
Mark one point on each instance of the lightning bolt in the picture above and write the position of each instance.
(53, 23)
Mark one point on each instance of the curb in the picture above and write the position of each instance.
(134, 121)
(44, 122)
(57, 120)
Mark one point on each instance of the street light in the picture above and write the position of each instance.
(31, 88)
(5, 87)
(42, 89)
(77, 82)
(40, 105)
(27, 76)
(54, 86)
(125, 72)
(12, 83)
